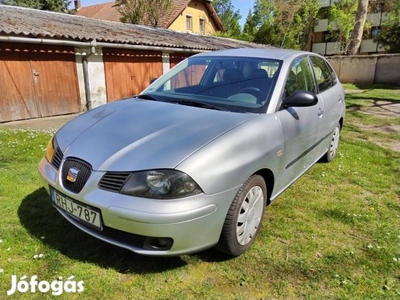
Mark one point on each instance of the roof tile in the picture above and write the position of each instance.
(31, 23)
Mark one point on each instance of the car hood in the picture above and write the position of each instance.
(138, 134)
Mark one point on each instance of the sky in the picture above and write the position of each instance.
(242, 5)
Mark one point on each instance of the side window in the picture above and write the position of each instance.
(300, 77)
(323, 73)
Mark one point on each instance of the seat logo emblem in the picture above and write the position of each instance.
(72, 175)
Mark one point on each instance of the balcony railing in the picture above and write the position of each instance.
(332, 48)
(326, 3)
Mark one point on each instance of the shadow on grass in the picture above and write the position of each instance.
(386, 86)
(41, 219)
(383, 105)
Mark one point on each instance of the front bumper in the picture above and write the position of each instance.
(193, 223)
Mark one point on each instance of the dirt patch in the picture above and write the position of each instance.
(377, 128)
(383, 109)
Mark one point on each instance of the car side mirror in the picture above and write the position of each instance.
(300, 98)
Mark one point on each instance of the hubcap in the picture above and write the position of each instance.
(250, 215)
(335, 142)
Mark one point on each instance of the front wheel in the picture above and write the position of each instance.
(244, 217)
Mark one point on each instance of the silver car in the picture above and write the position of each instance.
(192, 162)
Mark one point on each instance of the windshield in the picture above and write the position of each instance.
(237, 84)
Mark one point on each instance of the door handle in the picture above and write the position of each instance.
(320, 112)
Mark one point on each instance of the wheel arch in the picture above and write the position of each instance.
(269, 179)
(341, 121)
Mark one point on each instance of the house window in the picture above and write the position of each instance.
(189, 23)
(202, 25)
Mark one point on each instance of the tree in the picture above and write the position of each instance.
(389, 36)
(357, 32)
(341, 22)
(348, 22)
(131, 11)
(309, 11)
(285, 23)
(147, 12)
(229, 18)
(250, 27)
(50, 5)
(269, 17)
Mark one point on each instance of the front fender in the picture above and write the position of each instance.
(229, 160)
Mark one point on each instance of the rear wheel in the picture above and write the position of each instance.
(333, 146)
(244, 217)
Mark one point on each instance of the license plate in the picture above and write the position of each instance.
(85, 213)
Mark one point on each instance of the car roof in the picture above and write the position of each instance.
(271, 53)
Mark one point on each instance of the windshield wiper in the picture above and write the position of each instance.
(196, 104)
(180, 101)
(146, 97)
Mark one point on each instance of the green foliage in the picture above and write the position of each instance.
(131, 11)
(282, 23)
(250, 27)
(389, 36)
(290, 24)
(342, 16)
(50, 5)
(229, 18)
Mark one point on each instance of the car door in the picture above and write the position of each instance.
(301, 126)
(330, 91)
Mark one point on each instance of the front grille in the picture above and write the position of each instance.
(113, 181)
(75, 174)
(57, 158)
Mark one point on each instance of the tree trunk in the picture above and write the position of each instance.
(357, 33)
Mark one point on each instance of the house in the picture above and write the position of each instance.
(324, 43)
(56, 64)
(192, 16)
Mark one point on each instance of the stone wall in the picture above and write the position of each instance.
(369, 69)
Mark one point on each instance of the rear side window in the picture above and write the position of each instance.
(323, 73)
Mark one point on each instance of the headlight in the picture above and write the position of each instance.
(160, 184)
(50, 150)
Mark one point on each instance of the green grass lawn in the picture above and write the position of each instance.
(334, 234)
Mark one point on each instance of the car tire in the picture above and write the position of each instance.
(333, 145)
(244, 217)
